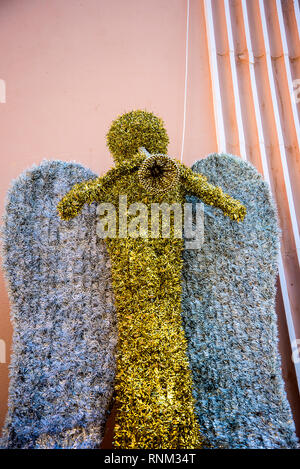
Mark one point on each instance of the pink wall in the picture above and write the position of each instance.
(72, 66)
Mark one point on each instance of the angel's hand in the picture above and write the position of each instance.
(196, 184)
(85, 192)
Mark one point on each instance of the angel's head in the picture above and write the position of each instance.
(133, 130)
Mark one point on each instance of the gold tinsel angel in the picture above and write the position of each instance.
(155, 404)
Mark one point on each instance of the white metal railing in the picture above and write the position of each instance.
(276, 113)
(259, 119)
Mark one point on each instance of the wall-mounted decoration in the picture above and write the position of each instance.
(186, 338)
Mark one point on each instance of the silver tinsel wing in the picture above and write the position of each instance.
(62, 309)
(228, 311)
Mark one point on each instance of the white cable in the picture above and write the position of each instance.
(186, 74)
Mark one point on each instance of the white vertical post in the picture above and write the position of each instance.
(2, 351)
(297, 15)
(259, 124)
(288, 68)
(214, 73)
(237, 102)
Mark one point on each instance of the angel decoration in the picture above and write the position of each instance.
(184, 341)
(153, 381)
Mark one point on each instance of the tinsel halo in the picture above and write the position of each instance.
(158, 173)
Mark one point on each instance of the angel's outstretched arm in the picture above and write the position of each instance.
(94, 190)
(196, 184)
(85, 192)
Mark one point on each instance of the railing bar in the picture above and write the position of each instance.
(297, 15)
(288, 69)
(216, 87)
(234, 75)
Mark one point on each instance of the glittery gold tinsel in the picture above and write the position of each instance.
(158, 173)
(155, 405)
(135, 129)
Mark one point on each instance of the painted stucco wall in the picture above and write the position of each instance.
(69, 67)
